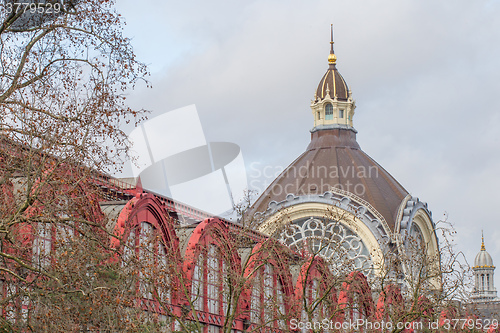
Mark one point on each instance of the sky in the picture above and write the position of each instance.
(424, 74)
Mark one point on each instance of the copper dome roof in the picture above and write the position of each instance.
(334, 159)
(335, 83)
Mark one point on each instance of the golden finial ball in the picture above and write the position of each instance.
(332, 58)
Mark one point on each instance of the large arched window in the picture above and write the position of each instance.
(267, 298)
(16, 309)
(213, 267)
(340, 246)
(390, 304)
(355, 298)
(328, 112)
(209, 282)
(50, 240)
(150, 252)
(270, 286)
(316, 292)
(313, 308)
(146, 256)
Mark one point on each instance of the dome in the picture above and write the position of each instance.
(334, 84)
(334, 159)
(483, 258)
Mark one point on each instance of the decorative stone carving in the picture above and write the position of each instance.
(339, 245)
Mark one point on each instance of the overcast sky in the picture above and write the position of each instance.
(425, 76)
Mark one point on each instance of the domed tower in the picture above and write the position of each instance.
(484, 286)
(332, 106)
(335, 190)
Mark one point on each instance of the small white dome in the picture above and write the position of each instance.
(483, 258)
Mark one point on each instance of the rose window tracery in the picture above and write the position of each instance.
(340, 246)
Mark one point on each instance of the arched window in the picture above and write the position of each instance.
(331, 240)
(315, 292)
(209, 283)
(488, 281)
(390, 303)
(16, 309)
(329, 112)
(355, 299)
(482, 281)
(149, 253)
(267, 300)
(146, 250)
(212, 266)
(314, 297)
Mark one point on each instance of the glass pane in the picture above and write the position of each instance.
(197, 285)
(329, 112)
(256, 305)
(213, 329)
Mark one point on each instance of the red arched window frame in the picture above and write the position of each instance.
(145, 229)
(425, 308)
(46, 238)
(209, 282)
(316, 286)
(355, 298)
(390, 304)
(39, 242)
(210, 261)
(270, 288)
(146, 245)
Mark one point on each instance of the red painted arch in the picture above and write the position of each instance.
(356, 283)
(273, 252)
(146, 208)
(216, 232)
(270, 251)
(211, 231)
(389, 297)
(315, 267)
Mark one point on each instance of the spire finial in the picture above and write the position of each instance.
(332, 58)
(483, 248)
